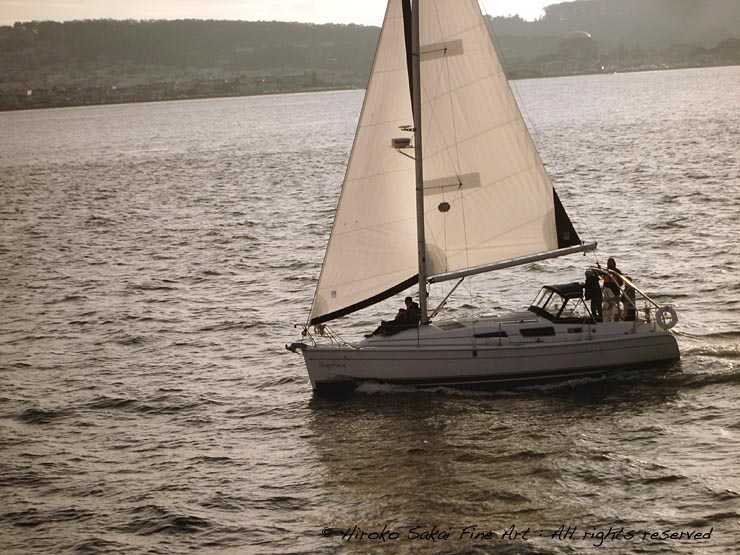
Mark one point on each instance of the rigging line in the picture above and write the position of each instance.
(446, 59)
(468, 285)
(433, 98)
(445, 73)
(456, 163)
(471, 301)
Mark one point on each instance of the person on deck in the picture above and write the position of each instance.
(612, 292)
(413, 313)
(592, 292)
(610, 280)
(406, 318)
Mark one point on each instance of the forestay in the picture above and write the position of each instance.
(487, 196)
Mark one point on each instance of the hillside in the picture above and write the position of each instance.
(84, 62)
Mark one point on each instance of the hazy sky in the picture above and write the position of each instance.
(363, 12)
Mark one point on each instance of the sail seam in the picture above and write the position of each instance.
(371, 175)
(475, 81)
(369, 227)
(476, 135)
(460, 32)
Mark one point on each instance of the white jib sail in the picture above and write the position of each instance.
(487, 195)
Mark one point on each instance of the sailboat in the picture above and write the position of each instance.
(444, 182)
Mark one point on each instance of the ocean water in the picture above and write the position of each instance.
(154, 258)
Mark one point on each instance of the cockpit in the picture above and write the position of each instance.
(562, 303)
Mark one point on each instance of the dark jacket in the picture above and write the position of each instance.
(591, 288)
(413, 314)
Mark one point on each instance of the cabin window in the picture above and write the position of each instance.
(537, 332)
(492, 334)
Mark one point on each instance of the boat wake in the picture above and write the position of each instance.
(627, 376)
(731, 351)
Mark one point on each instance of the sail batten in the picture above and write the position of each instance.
(486, 195)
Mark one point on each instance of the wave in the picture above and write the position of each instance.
(164, 404)
(94, 220)
(104, 402)
(526, 454)
(713, 335)
(727, 495)
(209, 459)
(697, 175)
(670, 296)
(372, 388)
(34, 517)
(130, 340)
(153, 519)
(576, 382)
(168, 409)
(713, 519)
(99, 545)
(733, 334)
(68, 299)
(42, 416)
(151, 287)
(668, 225)
(664, 479)
(709, 379)
(280, 503)
(131, 317)
(716, 351)
(225, 326)
(278, 381)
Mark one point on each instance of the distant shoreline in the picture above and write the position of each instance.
(177, 99)
(142, 100)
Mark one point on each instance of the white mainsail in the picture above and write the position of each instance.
(487, 196)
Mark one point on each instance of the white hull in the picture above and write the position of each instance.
(491, 352)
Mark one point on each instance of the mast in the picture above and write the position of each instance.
(419, 162)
